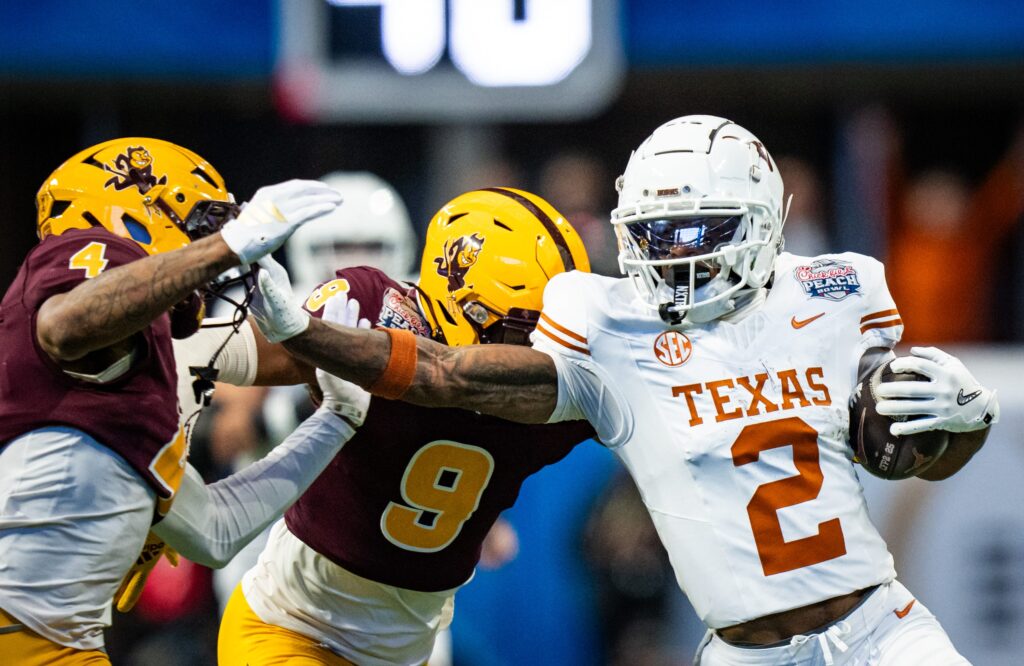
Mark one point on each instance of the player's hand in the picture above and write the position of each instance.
(341, 397)
(131, 587)
(276, 211)
(951, 399)
(273, 307)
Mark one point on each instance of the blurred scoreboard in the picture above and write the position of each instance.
(447, 60)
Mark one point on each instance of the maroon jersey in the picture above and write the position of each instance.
(411, 497)
(136, 415)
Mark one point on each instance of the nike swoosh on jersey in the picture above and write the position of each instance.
(962, 399)
(800, 323)
(906, 609)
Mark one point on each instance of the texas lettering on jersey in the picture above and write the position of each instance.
(736, 397)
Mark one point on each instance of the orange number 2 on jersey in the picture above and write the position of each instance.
(443, 484)
(90, 259)
(777, 554)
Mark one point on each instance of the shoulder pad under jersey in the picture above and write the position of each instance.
(564, 318)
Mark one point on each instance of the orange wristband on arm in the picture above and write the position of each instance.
(401, 368)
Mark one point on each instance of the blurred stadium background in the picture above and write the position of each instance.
(899, 128)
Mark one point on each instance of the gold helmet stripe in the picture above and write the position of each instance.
(563, 248)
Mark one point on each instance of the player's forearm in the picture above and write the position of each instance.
(275, 366)
(209, 524)
(124, 300)
(961, 448)
(516, 383)
(511, 382)
(357, 355)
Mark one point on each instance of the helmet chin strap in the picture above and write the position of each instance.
(694, 310)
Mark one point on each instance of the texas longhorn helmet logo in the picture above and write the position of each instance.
(133, 168)
(460, 254)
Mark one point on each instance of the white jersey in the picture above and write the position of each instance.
(736, 432)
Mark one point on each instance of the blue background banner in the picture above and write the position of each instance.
(226, 38)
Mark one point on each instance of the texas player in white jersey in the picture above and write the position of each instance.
(737, 429)
(720, 372)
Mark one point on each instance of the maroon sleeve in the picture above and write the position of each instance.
(135, 415)
(383, 301)
(60, 263)
(364, 284)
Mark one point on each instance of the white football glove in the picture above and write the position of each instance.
(273, 308)
(276, 211)
(341, 397)
(951, 399)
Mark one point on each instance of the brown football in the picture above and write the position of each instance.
(878, 451)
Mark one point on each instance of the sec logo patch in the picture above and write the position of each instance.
(672, 348)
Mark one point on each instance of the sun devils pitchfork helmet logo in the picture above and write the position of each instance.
(487, 258)
(158, 194)
(460, 254)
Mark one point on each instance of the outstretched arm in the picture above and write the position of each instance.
(511, 382)
(209, 524)
(124, 300)
(516, 383)
(117, 304)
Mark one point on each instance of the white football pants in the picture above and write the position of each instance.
(888, 628)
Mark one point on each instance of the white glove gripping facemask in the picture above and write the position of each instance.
(273, 307)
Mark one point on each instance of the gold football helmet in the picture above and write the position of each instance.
(158, 194)
(488, 255)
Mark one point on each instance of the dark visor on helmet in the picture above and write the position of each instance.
(205, 219)
(681, 237)
(513, 328)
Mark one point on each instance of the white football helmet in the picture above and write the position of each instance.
(700, 216)
(372, 228)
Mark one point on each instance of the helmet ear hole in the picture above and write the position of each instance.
(136, 230)
(58, 208)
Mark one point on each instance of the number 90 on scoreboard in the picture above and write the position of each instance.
(447, 60)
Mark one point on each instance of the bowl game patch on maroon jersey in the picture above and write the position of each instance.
(397, 311)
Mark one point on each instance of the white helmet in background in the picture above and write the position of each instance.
(699, 219)
(371, 228)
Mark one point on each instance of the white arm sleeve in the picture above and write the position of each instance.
(237, 361)
(585, 393)
(209, 524)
